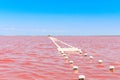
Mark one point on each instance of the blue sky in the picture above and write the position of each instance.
(59, 17)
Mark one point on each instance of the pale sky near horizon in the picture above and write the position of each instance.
(64, 17)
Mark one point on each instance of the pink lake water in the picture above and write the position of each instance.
(37, 58)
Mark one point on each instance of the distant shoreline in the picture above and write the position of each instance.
(69, 35)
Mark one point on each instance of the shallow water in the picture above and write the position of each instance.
(36, 58)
